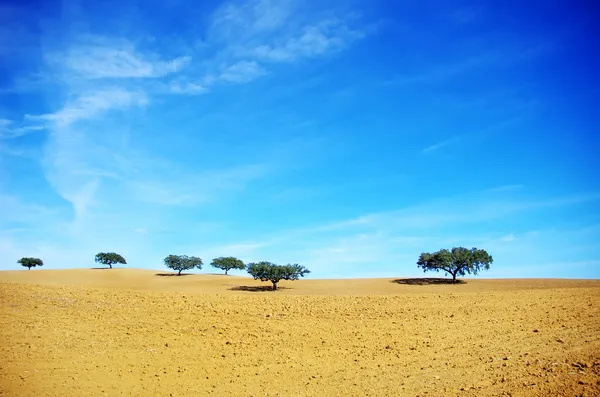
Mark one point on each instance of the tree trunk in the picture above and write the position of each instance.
(109, 265)
(226, 270)
(179, 274)
(454, 277)
(274, 285)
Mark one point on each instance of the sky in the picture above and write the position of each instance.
(346, 136)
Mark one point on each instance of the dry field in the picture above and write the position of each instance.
(126, 332)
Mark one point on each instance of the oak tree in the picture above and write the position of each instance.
(182, 262)
(228, 263)
(458, 261)
(109, 258)
(30, 262)
(267, 271)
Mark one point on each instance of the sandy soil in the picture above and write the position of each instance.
(126, 332)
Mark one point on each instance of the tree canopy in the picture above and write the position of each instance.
(267, 271)
(458, 261)
(30, 262)
(228, 263)
(109, 258)
(182, 262)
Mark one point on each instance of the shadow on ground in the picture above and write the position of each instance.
(427, 281)
(254, 288)
(172, 274)
(101, 268)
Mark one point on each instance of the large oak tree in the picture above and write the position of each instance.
(267, 271)
(457, 262)
(109, 258)
(182, 262)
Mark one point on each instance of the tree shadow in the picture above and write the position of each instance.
(427, 281)
(172, 274)
(254, 288)
(101, 268)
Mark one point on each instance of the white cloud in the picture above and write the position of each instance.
(325, 37)
(509, 237)
(479, 60)
(100, 59)
(442, 144)
(277, 31)
(109, 181)
(15, 210)
(242, 72)
(249, 18)
(497, 127)
(92, 105)
(188, 88)
(8, 131)
(392, 241)
(171, 185)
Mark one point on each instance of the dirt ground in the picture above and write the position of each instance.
(126, 332)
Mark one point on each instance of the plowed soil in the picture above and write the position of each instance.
(126, 332)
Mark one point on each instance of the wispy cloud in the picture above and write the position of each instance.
(493, 128)
(477, 61)
(391, 241)
(174, 186)
(326, 37)
(16, 211)
(185, 87)
(248, 18)
(251, 34)
(99, 58)
(8, 129)
(442, 144)
(242, 72)
(102, 76)
(89, 106)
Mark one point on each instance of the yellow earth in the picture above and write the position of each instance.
(131, 332)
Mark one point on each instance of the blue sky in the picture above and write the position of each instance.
(347, 136)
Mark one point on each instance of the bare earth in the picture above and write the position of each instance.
(126, 332)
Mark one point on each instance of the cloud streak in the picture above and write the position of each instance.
(251, 35)
(93, 105)
(8, 129)
(101, 58)
(326, 37)
(242, 72)
(391, 241)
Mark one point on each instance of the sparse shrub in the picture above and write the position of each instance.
(459, 261)
(267, 271)
(182, 262)
(228, 263)
(109, 258)
(30, 262)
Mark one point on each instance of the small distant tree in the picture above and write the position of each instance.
(30, 262)
(228, 263)
(458, 261)
(182, 262)
(109, 258)
(267, 271)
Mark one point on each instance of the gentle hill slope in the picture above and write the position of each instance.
(164, 281)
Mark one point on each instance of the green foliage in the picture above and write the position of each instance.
(182, 262)
(267, 271)
(228, 263)
(109, 258)
(459, 261)
(30, 262)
